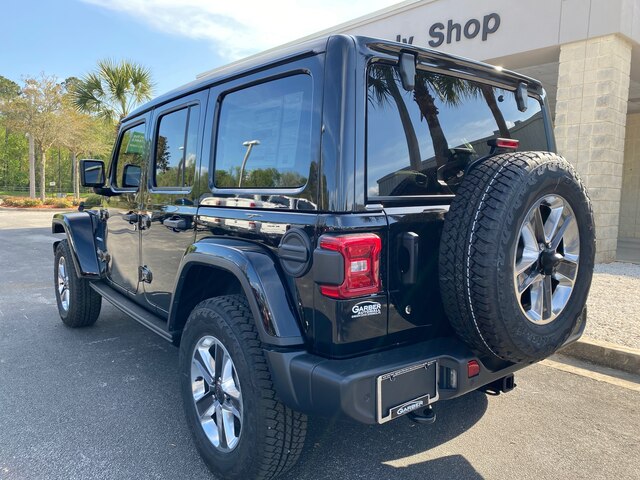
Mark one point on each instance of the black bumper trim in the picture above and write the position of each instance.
(328, 387)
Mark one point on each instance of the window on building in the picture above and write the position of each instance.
(176, 143)
(419, 143)
(130, 156)
(264, 135)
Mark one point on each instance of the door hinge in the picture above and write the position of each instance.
(144, 274)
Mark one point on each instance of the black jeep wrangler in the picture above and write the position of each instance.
(350, 227)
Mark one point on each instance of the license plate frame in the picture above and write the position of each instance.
(425, 391)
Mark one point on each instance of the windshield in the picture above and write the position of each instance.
(419, 142)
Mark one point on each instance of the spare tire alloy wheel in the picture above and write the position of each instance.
(516, 256)
(546, 259)
(216, 393)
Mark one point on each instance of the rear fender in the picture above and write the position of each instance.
(258, 276)
(80, 230)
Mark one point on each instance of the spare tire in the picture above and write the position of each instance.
(516, 256)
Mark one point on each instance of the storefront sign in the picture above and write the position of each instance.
(440, 33)
(453, 32)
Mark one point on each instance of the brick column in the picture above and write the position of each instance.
(591, 115)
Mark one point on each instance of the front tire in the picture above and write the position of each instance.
(241, 429)
(78, 304)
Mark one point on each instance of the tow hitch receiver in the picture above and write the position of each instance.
(425, 416)
(502, 385)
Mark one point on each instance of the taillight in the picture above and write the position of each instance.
(361, 254)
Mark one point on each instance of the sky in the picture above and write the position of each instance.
(175, 39)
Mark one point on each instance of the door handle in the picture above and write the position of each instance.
(175, 223)
(131, 217)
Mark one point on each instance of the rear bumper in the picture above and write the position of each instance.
(329, 387)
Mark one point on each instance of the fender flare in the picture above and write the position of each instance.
(257, 273)
(79, 228)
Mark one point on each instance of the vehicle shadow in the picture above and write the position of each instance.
(340, 449)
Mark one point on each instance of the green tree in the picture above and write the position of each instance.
(9, 90)
(36, 111)
(83, 134)
(113, 90)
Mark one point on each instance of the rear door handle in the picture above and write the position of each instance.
(131, 217)
(175, 223)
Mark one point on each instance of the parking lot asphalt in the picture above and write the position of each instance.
(103, 403)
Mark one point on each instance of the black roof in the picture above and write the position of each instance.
(319, 45)
(234, 69)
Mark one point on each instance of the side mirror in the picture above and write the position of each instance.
(92, 173)
(131, 176)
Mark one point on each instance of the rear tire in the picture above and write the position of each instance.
(508, 289)
(262, 438)
(78, 304)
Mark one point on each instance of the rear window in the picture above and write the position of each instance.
(419, 143)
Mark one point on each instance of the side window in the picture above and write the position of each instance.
(130, 156)
(176, 144)
(264, 135)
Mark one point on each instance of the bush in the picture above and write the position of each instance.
(62, 203)
(92, 200)
(23, 202)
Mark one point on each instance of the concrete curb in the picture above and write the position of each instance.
(605, 354)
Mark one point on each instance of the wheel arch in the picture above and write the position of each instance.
(211, 268)
(79, 230)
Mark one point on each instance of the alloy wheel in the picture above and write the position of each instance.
(546, 259)
(216, 393)
(63, 284)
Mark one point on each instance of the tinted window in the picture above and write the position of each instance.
(264, 134)
(419, 143)
(130, 152)
(176, 144)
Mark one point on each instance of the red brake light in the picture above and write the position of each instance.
(473, 368)
(508, 143)
(361, 254)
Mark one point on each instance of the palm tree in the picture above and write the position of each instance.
(490, 97)
(113, 90)
(430, 88)
(449, 91)
(383, 83)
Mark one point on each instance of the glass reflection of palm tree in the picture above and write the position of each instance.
(383, 85)
(448, 90)
(429, 87)
(249, 144)
(490, 97)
